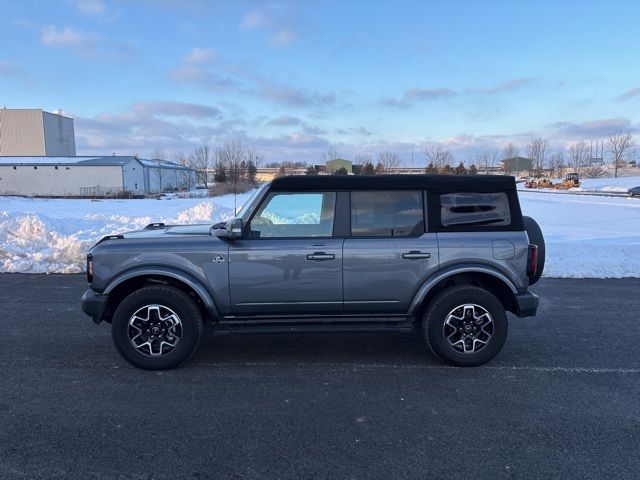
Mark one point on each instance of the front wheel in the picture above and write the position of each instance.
(465, 326)
(156, 327)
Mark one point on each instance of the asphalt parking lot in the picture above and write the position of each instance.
(562, 400)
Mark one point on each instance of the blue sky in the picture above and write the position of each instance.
(293, 78)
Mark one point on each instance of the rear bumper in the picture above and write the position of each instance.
(526, 304)
(93, 304)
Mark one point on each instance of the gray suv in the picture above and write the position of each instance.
(446, 256)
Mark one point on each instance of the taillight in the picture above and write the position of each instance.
(89, 268)
(532, 262)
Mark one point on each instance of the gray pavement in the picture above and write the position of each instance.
(562, 400)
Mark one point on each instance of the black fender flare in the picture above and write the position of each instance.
(440, 275)
(174, 273)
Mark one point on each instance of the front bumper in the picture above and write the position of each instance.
(93, 304)
(526, 304)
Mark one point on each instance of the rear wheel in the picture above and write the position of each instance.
(156, 327)
(465, 326)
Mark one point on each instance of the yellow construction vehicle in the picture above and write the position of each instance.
(571, 180)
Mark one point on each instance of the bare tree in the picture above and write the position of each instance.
(537, 151)
(231, 154)
(510, 150)
(389, 160)
(362, 159)
(557, 163)
(579, 154)
(594, 171)
(619, 145)
(439, 156)
(185, 175)
(200, 160)
(330, 154)
(487, 160)
(160, 176)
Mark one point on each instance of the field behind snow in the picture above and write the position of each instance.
(587, 236)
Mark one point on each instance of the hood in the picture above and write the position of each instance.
(162, 230)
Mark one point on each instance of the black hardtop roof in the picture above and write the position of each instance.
(469, 183)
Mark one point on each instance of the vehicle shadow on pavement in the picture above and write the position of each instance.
(361, 348)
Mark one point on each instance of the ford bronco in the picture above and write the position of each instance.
(446, 256)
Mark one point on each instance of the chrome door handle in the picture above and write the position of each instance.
(320, 256)
(415, 255)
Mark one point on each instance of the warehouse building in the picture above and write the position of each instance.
(35, 132)
(516, 165)
(90, 176)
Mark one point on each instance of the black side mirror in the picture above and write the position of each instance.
(234, 227)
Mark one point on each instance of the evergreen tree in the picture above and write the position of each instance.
(431, 169)
(447, 170)
(379, 168)
(221, 175)
(368, 169)
(252, 171)
(460, 169)
(473, 170)
(340, 171)
(311, 170)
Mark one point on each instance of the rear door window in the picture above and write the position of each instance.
(469, 209)
(392, 213)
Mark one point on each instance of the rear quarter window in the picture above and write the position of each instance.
(474, 209)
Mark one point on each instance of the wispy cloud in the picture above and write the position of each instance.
(88, 45)
(593, 128)
(629, 94)
(53, 36)
(294, 96)
(274, 20)
(508, 86)
(197, 67)
(416, 95)
(9, 69)
(285, 121)
(208, 69)
(96, 8)
(170, 108)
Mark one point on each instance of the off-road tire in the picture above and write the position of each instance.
(176, 300)
(439, 308)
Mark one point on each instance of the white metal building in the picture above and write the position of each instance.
(90, 176)
(36, 132)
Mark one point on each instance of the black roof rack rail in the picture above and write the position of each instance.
(154, 225)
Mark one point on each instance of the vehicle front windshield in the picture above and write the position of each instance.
(248, 204)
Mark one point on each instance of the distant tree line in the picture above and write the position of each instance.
(232, 162)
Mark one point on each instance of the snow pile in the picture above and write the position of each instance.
(53, 236)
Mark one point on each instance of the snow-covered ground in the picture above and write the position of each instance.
(587, 236)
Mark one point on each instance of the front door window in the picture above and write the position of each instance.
(294, 215)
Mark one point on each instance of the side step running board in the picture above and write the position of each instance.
(313, 327)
